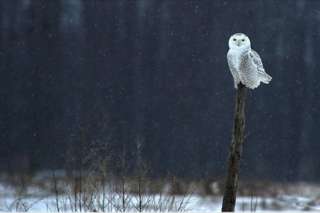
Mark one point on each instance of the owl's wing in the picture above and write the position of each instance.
(233, 69)
(265, 78)
(257, 60)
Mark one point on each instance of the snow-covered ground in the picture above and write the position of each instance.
(195, 204)
(38, 200)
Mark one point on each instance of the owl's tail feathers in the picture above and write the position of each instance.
(265, 78)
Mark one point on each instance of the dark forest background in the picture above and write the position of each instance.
(148, 81)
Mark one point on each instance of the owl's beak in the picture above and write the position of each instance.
(238, 43)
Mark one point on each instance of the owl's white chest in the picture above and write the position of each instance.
(236, 57)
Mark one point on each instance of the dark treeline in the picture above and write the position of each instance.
(151, 77)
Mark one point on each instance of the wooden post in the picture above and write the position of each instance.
(231, 185)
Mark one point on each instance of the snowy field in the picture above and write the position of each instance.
(195, 204)
(37, 200)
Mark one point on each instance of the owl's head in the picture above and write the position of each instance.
(239, 41)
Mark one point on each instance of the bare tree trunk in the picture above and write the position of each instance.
(231, 185)
(56, 191)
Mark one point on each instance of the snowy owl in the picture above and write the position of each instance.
(244, 63)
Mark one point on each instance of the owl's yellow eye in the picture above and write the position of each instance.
(242, 39)
(234, 39)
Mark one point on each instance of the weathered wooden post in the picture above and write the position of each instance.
(231, 185)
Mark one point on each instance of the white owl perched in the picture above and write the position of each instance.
(244, 63)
